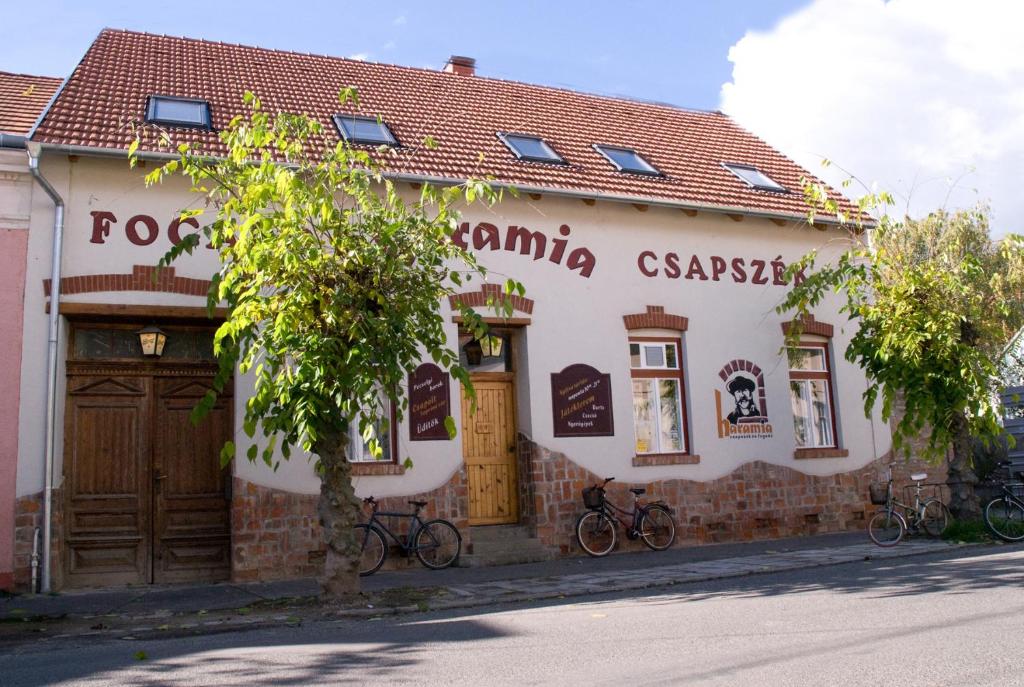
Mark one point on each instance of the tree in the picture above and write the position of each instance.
(333, 284)
(935, 301)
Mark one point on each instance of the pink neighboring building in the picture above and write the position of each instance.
(22, 99)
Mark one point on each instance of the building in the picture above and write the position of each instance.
(22, 100)
(651, 240)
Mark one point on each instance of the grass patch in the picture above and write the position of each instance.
(967, 532)
(406, 596)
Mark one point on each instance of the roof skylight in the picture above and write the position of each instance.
(531, 148)
(754, 178)
(171, 111)
(627, 160)
(365, 130)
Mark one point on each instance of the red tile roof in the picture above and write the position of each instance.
(22, 99)
(462, 113)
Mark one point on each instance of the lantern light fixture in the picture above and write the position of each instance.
(487, 346)
(152, 340)
(490, 346)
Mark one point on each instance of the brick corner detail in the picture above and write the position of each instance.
(382, 468)
(493, 293)
(142, 278)
(811, 453)
(809, 325)
(655, 318)
(654, 459)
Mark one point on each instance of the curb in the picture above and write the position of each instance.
(471, 601)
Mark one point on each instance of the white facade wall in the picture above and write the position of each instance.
(575, 320)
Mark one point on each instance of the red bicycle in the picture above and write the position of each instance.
(652, 523)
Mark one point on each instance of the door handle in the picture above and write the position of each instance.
(158, 477)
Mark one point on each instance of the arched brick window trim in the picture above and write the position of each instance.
(655, 318)
(809, 326)
(478, 299)
(140, 279)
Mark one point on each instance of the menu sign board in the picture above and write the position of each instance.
(429, 403)
(581, 402)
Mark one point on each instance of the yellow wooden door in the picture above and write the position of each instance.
(489, 449)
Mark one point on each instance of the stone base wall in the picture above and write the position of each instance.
(277, 534)
(274, 534)
(756, 501)
(28, 515)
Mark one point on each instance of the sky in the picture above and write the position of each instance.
(923, 98)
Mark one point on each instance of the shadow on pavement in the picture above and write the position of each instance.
(325, 652)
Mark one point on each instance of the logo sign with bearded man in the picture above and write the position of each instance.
(743, 409)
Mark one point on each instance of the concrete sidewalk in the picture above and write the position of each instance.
(476, 586)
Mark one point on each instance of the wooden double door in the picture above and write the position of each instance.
(489, 450)
(145, 498)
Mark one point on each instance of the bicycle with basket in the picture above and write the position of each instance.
(652, 523)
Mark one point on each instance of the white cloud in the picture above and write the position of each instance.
(399, 20)
(390, 45)
(359, 56)
(910, 94)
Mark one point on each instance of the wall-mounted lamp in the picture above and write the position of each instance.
(152, 340)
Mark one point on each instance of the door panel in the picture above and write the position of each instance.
(488, 448)
(106, 460)
(192, 528)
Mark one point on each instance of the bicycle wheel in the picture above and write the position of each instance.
(934, 518)
(657, 528)
(886, 528)
(373, 547)
(438, 544)
(595, 532)
(1005, 517)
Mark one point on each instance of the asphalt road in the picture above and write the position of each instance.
(949, 619)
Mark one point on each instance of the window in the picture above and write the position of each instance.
(531, 148)
(627, 160)
(95, 342)
(659, 421)
(365, 130)
(755, 179)
(810, 394)
(162, 109)
(359, 450)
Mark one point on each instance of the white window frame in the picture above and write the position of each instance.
(804, 379)
(359, 452)
(649, 373)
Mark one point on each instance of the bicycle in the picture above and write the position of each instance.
(595, 529)
(887, 526)
(436, 543)
(1004, 515)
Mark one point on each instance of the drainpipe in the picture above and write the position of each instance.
(35, 560)
(51, 358)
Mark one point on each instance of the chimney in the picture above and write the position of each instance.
(463, 66)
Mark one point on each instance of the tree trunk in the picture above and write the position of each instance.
(963, 501)
(339, 510)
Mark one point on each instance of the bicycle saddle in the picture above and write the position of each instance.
(418, 504)
(638, 492)
(919, 477)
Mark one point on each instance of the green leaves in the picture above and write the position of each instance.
(935, 302)
(331, 281)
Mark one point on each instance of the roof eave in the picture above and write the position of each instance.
(441, 180)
